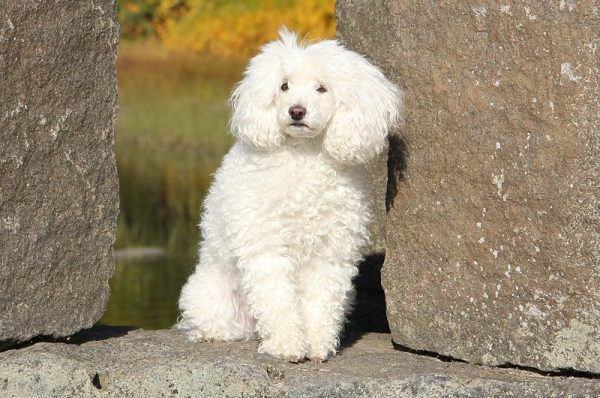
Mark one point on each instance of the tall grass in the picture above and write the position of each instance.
(171, 136)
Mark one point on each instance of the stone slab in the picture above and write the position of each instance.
(121, 363)
(59, 188)
(493, 243)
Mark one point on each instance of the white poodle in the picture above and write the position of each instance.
(289, 207)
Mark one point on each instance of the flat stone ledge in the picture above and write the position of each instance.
(111, 362)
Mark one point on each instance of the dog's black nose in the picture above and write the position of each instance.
(297, 112)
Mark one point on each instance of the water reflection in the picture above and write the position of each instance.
(145, 294)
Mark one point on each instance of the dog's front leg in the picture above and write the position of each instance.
(268, 282)
(327, 294)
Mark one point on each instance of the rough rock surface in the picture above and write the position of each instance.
(58, 190)
(164, 364)
(493, 244)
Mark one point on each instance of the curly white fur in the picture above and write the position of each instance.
(289, 208)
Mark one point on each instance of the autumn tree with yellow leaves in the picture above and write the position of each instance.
(225, 27)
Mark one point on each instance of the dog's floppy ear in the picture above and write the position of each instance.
(368, 107)
(254, 118)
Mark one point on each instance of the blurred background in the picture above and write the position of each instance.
(178, 61)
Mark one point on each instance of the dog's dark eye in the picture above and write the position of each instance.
(321, 89)
(284, 87)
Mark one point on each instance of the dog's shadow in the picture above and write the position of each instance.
(396, 168)
(369, 313)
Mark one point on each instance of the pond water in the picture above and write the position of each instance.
(145, 294)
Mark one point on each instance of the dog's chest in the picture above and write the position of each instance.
(289, 200)
(307, 183)
(296, 188)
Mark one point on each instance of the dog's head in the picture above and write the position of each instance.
(294, 90)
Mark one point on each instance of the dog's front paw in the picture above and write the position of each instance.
(286, 350)
(319, 356)
(320, 350)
